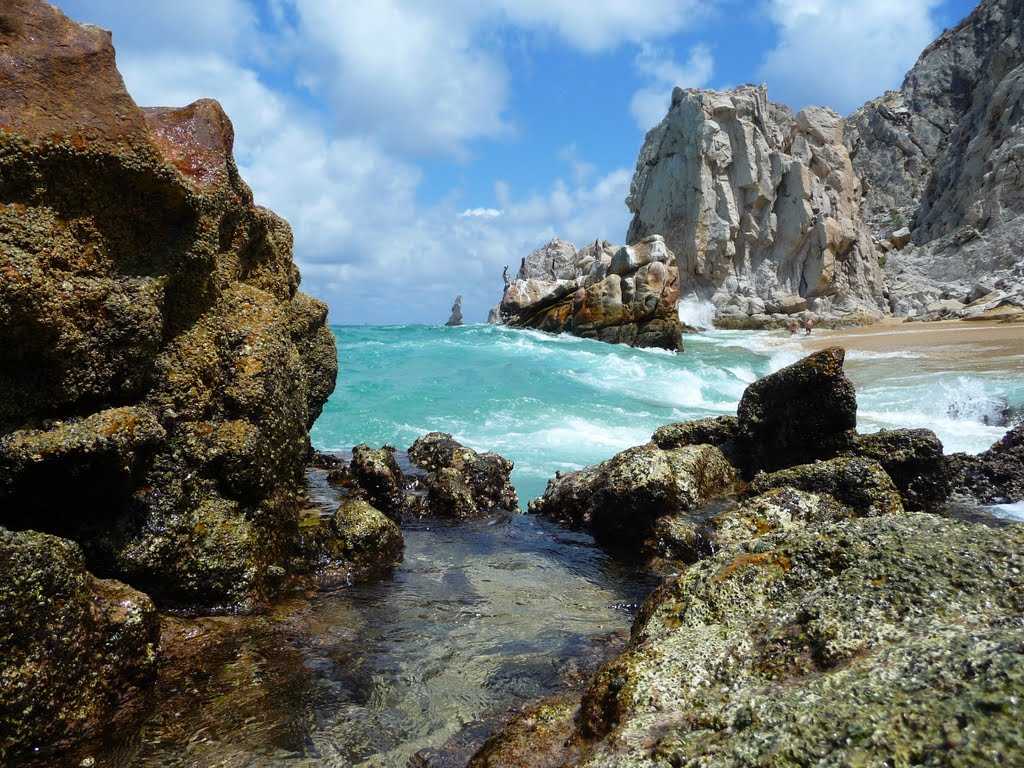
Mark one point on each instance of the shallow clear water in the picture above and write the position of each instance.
(553, 403)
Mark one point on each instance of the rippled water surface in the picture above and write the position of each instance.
(479, 619)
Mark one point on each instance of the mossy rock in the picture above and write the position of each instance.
(76, 653)
(861, 484)
(862, 642)
(714, 430)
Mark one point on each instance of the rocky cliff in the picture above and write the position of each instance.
(943, 157)
(760, 208)
(620, 295)
(770, 214)
(159, 369)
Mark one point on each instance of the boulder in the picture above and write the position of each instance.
(155, 351)
(379, 477)
(860, 484)
(995, 476)
(455, 318)
(714, 430)
(803, 412)
(77, 653)
(462, 483)
(619, 501)
(358, 540)
(913, 458)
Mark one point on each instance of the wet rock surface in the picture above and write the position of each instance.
(157, 362)
(77, 653)
(994, 476)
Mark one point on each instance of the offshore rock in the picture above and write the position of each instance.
(620, 501)
(909, 627)
(455, 318)
(157, 362)
(626, 295)
(805, 411)
(461, 483)
(756, 205)
(76, 652)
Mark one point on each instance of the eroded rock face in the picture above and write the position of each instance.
(756, 205)
(76, 652)
(157, 362)
(626, 295)
(994, 476)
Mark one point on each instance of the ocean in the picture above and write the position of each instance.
(559, 403)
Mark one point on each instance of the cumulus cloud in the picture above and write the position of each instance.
(649, 105)
(840, 53)
(487, 212)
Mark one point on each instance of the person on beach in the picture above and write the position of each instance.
(793, 326)
(808, 325)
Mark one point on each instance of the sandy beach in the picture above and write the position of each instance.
(989, 343)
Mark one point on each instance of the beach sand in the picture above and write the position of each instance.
(986, 344)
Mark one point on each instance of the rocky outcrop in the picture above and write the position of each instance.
(442, 479)
(805, 411)
(994, 476)
(621, 500)
(626, 295)
(159, 370)
(941, 158)
(76, 652)
(759, 207)
(771, 215)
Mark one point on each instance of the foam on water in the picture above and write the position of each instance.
(554, 403)
(697, 314)
(1009, 511)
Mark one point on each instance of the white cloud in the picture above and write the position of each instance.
(485, 212)
(840, 53)
(596, 25)
(650, 103)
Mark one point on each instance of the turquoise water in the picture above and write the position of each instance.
(559, 403)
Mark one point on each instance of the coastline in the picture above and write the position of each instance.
(956, 341)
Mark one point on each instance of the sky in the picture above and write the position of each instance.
(418, 146)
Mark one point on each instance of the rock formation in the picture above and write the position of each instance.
(159, 370)
(455, 318)
(626, 295)
(760, 208)
(770, 214)
(815, 583)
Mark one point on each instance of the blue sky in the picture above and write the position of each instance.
(416, 147)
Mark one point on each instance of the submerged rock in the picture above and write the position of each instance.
(76, 652)
(158, 365)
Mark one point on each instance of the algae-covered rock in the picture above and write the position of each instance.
(886, 640)
(691, 536)
(461, 482)
(859, 483)
(914, 460)
(356, 541)
(76, 652)
(155, 353)
(619, 500)
(714, 430)
(379, 477)
(805, 411)
(996, 475)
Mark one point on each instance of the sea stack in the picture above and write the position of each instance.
(455, 318)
